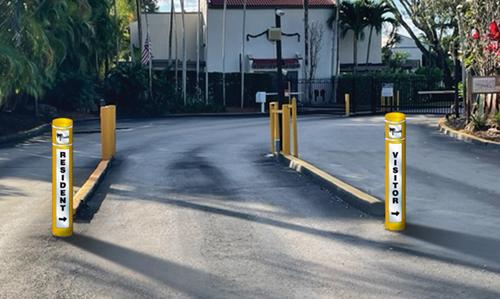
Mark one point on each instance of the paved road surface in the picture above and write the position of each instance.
(193, 209)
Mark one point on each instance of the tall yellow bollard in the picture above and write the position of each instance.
(112, 124)
(286, 130)
(106, 133)
(395, 171)
(397, 99)
(294, 129)
(272, 121)
(62, 177)
(347, 107)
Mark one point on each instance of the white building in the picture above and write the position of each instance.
(260, 53)
(407, 45)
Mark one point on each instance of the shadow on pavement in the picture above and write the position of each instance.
(477, 246)
(184, 279)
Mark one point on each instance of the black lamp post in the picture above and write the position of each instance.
(281, 96)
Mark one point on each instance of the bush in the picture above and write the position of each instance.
(72, 92)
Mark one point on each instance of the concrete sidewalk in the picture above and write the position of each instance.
(451, 185)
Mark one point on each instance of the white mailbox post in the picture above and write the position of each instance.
(260, 97)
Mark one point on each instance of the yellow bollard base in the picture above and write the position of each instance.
(62, 235)
(395, 226)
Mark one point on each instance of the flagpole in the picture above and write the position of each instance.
(150, 62)
(242, 59)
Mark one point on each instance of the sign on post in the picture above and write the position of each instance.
(62, 177)
(485, 84)
(388, 90)
(395, 171)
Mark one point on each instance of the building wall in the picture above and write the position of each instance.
(407, 44)
(347, 53)
(259, 21)
(159, 28)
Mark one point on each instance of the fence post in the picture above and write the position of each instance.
(397, 100)
(286, 129)
(374, 96)
(295, 133)
(353, 99)
(347, 107)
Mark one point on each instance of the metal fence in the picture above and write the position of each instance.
(366, 95)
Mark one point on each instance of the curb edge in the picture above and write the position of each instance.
(465, 137)
(351, 195)
(88, 189)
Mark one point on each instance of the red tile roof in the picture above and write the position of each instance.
(273, 3)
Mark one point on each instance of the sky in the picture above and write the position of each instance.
(189, 5)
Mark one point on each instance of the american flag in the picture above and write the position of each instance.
(146, 52)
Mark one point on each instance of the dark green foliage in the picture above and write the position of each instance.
(72, 92)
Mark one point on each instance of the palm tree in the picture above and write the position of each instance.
(353, 17)
(184, 71)
(172, 15)
(376, 18)
(224, 53)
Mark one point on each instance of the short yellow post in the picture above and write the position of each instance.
(395, 171)
(397, 99)
(62, 177)
(347, 108)
(272, 120)
(106, 133)
(294, 129)
(112, 123)
(286, 130)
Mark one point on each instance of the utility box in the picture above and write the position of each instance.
(274, 34)
(260, 97)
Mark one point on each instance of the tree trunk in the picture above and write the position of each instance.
(224, 53)
(172, 15)
(355, 54)
(306, 38)
(139, 25)
(441, 63)
(198, 23)
(369, 45)
(184, 58)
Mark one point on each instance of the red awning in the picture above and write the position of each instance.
(271, 63)
(272, 3)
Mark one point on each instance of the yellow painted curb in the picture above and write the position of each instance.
(365, 202)
(91, 184)
(446, 128)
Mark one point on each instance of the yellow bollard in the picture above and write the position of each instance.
(112, 124)
(62, 177)
(106, 133)
(272, 120)
(286, 130)
(397, 99)
(395, 171)
(347, 108)
(294, 129)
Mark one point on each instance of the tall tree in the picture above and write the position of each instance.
(306, 38)
(242, 59)
(352, 18)
(436, 20)
(184, 58)
(172, 16)
(224, 53)
(376, 18)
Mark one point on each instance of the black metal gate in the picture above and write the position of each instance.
(365, 95)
